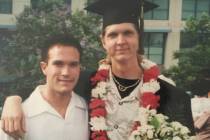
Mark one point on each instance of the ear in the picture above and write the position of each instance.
(43, 66)
(102, 41)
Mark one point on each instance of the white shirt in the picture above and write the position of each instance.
(121, 112)
(43, 122)
(199, 105)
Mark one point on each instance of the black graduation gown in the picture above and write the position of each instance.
(174, 102)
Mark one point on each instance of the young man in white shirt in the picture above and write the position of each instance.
(53, 111)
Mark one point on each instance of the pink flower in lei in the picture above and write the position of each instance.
(148, 99)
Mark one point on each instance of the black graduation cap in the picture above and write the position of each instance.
(120, 11)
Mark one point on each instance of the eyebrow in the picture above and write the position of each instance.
(57, 62)
(124, 32)
(74, 62)
(113, 33)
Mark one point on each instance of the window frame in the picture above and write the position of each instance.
(195, 13)
(152, 17)
(8, 3)
(147, 42)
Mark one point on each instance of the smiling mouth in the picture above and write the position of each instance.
(66, 81)
(121, 51)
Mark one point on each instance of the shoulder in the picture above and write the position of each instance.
(171, 97)
(34, 104)
(171, 90)
(86, 73)
(35, 95)
(84, 78)
(79, 101)
(166, 79)
(83, 86)
(176, 104)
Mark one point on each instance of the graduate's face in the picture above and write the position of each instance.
(62, 68)
(121, 41)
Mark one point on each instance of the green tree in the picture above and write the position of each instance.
(20, 58)
(193, 70)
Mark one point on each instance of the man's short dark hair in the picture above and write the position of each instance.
(59, 39)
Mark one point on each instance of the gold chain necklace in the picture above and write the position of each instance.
(124, 88)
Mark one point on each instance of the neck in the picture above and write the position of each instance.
(127, 70)
(59, 101)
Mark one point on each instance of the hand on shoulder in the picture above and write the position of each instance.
(12, 119)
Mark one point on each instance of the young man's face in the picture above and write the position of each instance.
(121, 41)
(62, 69)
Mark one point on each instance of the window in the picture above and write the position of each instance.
(159, 13)
(5, 6)
(187, 41)
(154, 46)
(68, 2)
(195, 8)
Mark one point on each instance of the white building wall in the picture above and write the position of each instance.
(9, 20)
(18, 6)
(78, 5)
(173, 38)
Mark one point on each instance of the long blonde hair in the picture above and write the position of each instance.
(107, 60)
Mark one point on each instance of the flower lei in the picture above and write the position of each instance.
(148, 100)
